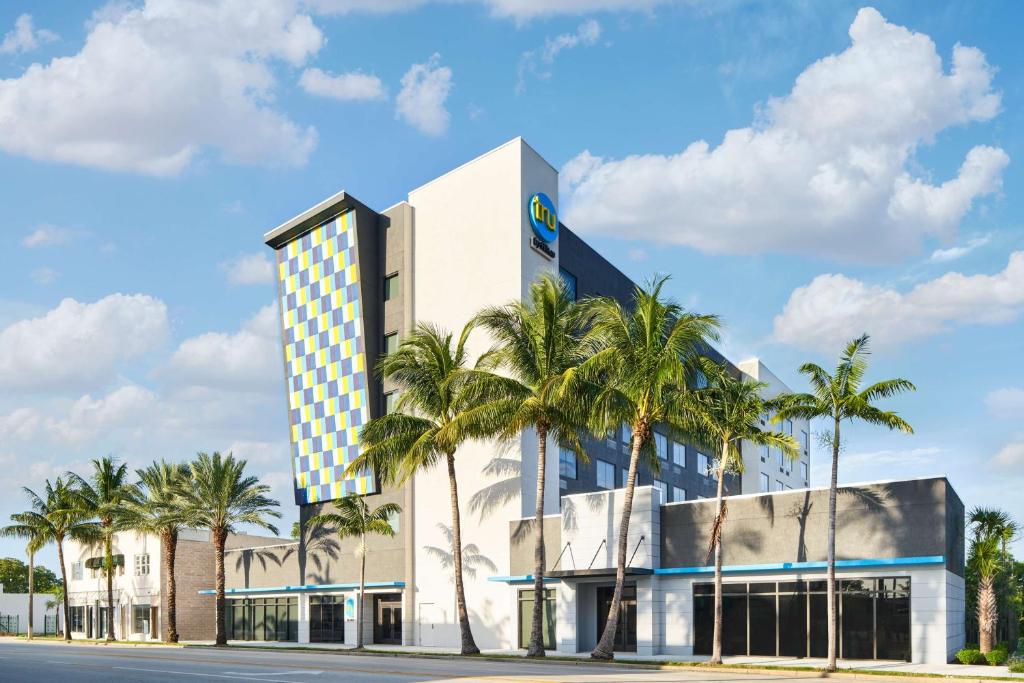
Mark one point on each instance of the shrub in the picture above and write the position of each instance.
(967, 656)
(1016, 665)
(996, 657)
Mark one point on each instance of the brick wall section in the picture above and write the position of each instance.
(193, 571)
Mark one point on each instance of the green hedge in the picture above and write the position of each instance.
(996, 657)
(970, 656)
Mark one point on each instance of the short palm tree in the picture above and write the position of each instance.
(993, 531)
(219, 496)
(644, 357)
(727, 412)
(55, 517)
(33, 530)
(159, 509)
(425, 429)
(840, 397)
(355, 519)
(537, 342)
(106, 495)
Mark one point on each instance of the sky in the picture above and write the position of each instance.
(810, 171)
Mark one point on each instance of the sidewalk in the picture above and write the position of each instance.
(880, 667)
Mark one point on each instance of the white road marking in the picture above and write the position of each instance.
(199, 674)
(277, 673)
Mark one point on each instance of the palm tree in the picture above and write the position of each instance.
(158, 510)
(427, 428)
(219, 496)
(106, 496)
(728, 411)
(32, 529)
(993, 531)
(55, 516)
(537, 342)
(355, 519)
(839, 396)
(642, 362)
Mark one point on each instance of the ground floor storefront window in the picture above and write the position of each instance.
(549, 614)
(790, 618)
(77, 615)
(140, 619)
(327, 618)
(273, 619)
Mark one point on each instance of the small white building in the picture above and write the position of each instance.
(14, 611)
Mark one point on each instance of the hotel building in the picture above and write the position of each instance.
(353, 281)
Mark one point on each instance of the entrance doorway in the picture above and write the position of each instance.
(625, 633)
(387, 619)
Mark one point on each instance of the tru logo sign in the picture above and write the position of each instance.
(544, 221)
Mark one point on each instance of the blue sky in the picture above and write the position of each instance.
(859, 171)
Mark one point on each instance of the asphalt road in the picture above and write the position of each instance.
(21, 661)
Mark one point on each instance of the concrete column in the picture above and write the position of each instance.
(303, 618)
(645, 627)
(566, 622)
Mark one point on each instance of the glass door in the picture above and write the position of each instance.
(387, 627)
(625, 633)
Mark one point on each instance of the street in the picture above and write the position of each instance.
(78, 663)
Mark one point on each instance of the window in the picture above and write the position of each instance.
(610, 438)
(548, 614)
(77, 615)
(703, 464)
(627, 436)
(789, 427)
(661, 445)
(391, 287)
(274, 619)
(327, 618)
(140, 618)
(390, 343)
(76, 571)
(395, 520)
(805, 440)
(766, 452)
(780, 456)
(700, 380)
(625, 477)
(779, 486)
(570, 283)
(766, 483)
(679, 454)
(804, 474)
(142, 565)
(605, 474)
(662, 488)
(390, 401)
(678, 494)
(566, 463)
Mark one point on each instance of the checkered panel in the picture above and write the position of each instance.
(325, 358)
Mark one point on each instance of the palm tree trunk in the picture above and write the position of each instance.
(536, 645)
(605, 646)
(108, 561)
(362, 596)
(468, 644)
(170, 541)
(987, 613)
(64, 597)
(716, 642)
(219, 538)
(31, 590)
(831, 574)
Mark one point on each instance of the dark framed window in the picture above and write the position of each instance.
(605, 475)
(390, 343)
(140, 619)
(77, 615)
(262, 619)
(570, 283)
(548, 618)
(566, 463)
(327, 618)
(391, 284)
(390, 400)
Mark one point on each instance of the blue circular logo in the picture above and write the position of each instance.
(543, 217)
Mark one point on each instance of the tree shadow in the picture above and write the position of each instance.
(493, 497)
(315, 544)
(472, 559)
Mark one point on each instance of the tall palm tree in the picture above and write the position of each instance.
(158, 509)
(355, 519)
(728, 411)
(537, 342)
(55, 516)
(426, 428)
(643, 359)
(840, 397)
(219, 496)
(33, 530)
(993, 531)
(105, 495)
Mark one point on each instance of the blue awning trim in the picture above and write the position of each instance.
(791, 566)
(524, 578)
(306, 588)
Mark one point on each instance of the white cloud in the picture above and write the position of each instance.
(520, 10)
(1010, 456)
(249, 269)
(957, 252)
(20, 424)
(127, 406)
(530, 62)
(1007, 403)
(832, 309)
(421, 102)
(348, 86)
(47, 236)
(824, 170)
(80, 345)
(155, 85)
(44, 275)
(24, 38)
(247, 360)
